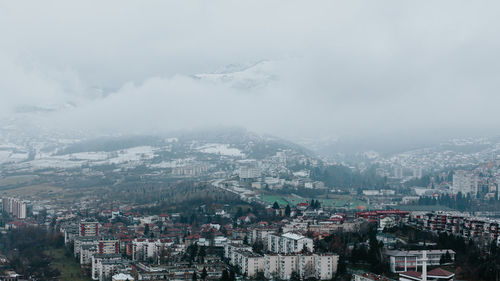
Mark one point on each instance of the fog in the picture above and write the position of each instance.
(295, 69)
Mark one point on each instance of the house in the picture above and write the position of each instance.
(389, 240)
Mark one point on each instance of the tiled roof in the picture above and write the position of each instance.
(439, 272)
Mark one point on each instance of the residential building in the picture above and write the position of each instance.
(464, 182)
(89, 228)
(81, 241)
(325, 266)
(15, 207)
(319, 266)
(147, 249)
(289, 243)
(108, 246)
(401, 261)
(248, 173)
(100, 265)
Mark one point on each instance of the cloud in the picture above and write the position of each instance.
(326, 68)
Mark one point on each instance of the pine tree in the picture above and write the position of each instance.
(204, 274)
(202, 254)
(295, 276)
(447, 257)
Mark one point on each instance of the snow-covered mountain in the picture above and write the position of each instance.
(244, 76)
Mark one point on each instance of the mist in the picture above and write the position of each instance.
(292, 69)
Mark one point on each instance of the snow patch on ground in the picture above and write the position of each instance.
(222, 149)
(91, 156)
(174, 163)
(134, 154)
(75, 160)
(13, 157)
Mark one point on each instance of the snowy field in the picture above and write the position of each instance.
(222, 149)
(75, 160)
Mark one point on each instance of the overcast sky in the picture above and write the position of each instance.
(292, 68)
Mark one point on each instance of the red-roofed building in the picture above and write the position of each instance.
(302, 206)
(191, 239)
(437, 274)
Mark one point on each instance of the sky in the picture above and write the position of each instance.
(294, 69)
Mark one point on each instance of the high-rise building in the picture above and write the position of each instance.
(398, 172)
(464, 182)
(246, 173)
(15, 207)
(108, 246)
(289, 243)
(89, 228)
(417, 172)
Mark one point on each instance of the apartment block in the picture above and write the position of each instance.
(89, 228)
(401, 261)
(15, 207)
(289, 243)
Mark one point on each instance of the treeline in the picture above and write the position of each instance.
(360, 254)
(339, 176)
(24, 248)
(431, 180)
(459, 202)
(472, 261)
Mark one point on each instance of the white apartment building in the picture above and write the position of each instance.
(15, 207)
(398, 172)
(246, 173)
(230, 250)
(108, 268)
(320, 266)
(464, 182)
(306, 265)
(97, 264)
(70, 232)
(249, 263)
(289, 243)
(144, 249)
(271, 270)
(286, 265)
(86, 253)
(81, 241)
(260, 234)
(401, 261)
(326, 266)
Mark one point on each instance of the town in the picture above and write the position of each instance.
(249, 140)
